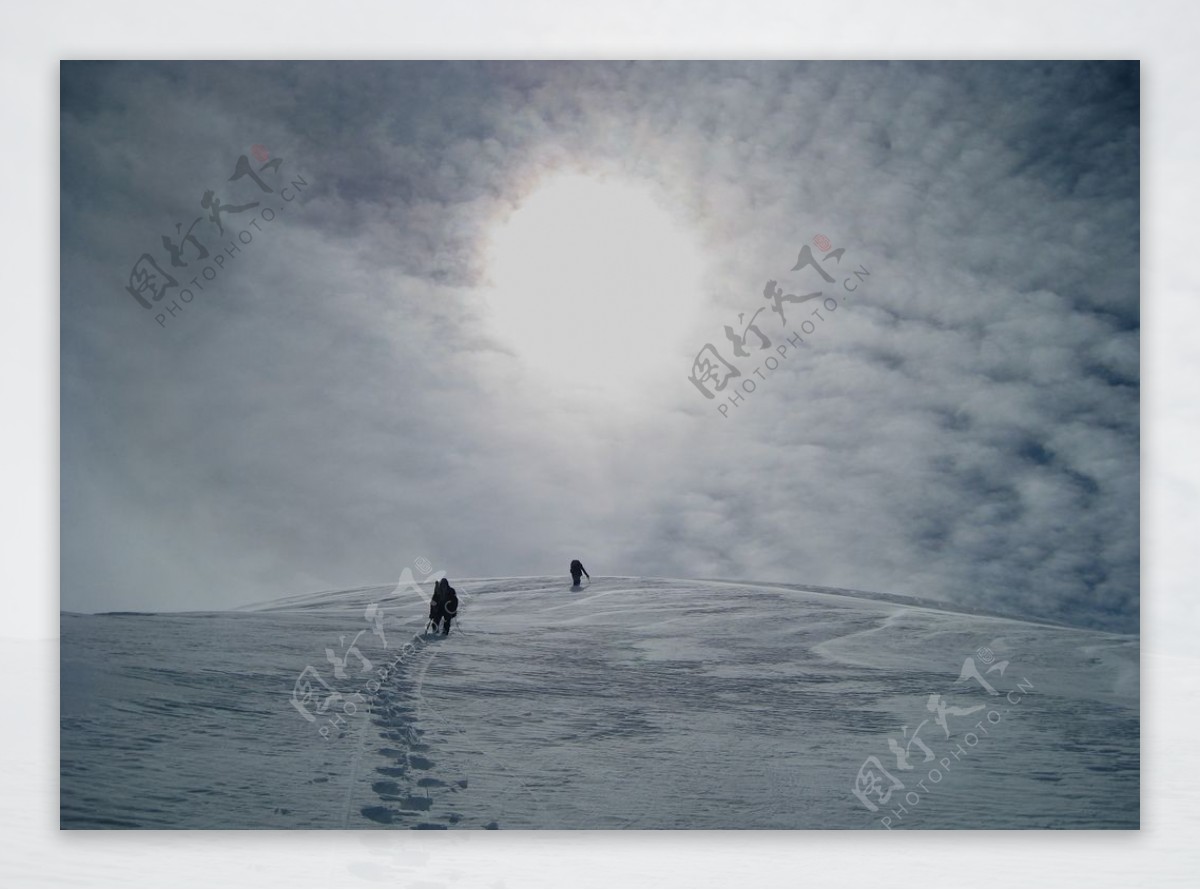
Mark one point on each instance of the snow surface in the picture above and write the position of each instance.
(634, 703)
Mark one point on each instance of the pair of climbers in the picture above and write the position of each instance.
(444, 604)
(443, 607)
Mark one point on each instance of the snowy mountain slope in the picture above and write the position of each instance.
(635, 703)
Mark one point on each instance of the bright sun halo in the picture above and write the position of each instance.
(592, 281)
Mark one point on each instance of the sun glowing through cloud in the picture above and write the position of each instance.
(592, 281)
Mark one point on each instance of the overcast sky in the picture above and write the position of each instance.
(340, 399)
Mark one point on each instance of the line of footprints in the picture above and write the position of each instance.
(408, 791)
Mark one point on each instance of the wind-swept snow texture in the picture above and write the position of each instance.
(631, 704)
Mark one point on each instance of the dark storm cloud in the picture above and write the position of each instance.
(966, 428)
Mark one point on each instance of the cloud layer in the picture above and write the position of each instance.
(334, 404)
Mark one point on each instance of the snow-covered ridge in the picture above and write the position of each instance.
(643, 703)
(353, 596)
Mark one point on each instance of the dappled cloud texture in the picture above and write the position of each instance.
(335, 404)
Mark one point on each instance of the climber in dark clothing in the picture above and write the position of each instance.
(449, 608)
(443, 606)
(577, 569)
(437, 604)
